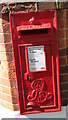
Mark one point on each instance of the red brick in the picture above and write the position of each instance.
(67, 42)
(1, 29)
(46, 5)
(0, 95)
(64, 86)
(3, 56)
(63, 24)
(16, 107)
(62, 33)
(64, 94)
(7, 65)
(6, 47)
(4, 18)
(0, 18)
(9, 105)
(62, 14)
(62, 52)
(11, 99)
(5, 82)
(14, 91)
(15, 99)
(6, 28)
(0, 88)
(1, 38)
(4, 73)
(10, 91)
(64, 102)
(67, 59)
(9, 56)
(6, 56)
(0, 81)
(66, 50)
(63, 69)
(6, 97)
(7, 74)
(62, 61)
(62, 43)
(64, 78)
(13, 82)
(11, 65)
(2, 47)
(12, 74)
(6, 90)
(5, 38)
(4, 65)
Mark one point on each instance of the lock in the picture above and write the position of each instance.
(28, 76)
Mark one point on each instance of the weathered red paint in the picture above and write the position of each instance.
(39, 90)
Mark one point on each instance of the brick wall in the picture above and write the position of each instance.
(62, 16)
(8, 85)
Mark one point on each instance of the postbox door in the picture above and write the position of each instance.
(36, 70)
(35, 47)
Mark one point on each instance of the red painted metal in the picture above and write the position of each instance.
(32, 27)
(38, 88)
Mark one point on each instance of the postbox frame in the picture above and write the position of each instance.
(18, 62)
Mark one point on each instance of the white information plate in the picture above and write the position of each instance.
(36, 58)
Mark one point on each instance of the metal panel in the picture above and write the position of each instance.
(38, 85)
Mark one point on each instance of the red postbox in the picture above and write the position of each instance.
(35, 46)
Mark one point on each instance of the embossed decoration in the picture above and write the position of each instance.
(38, 94)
